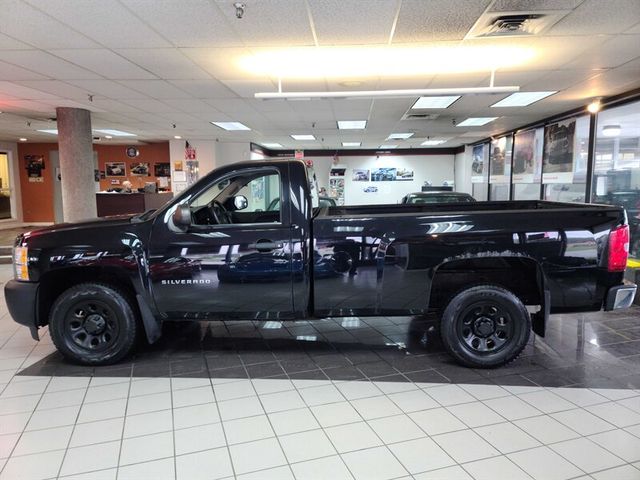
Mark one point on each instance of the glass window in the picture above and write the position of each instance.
(480, 191)
(616, 171)
(526, 191)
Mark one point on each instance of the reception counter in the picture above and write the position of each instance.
(128, 203)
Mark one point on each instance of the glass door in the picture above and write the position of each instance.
(5, 187)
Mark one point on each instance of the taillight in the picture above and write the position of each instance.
(618, 249)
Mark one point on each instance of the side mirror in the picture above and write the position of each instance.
(240, 202)
(182, 216)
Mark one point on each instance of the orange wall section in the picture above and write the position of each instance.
(37, 197)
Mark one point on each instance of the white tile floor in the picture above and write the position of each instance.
(214, 428)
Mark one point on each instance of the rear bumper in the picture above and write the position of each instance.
(620, 296)
(21, 302)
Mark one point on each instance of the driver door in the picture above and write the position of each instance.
(241, 269)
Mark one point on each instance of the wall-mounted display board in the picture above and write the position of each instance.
(559, 148)
(479, 164)
(527, 156)
(115, 169)
(384, 174)
(337, 182)
(500, 160)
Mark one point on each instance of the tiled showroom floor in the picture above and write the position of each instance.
(350, 398)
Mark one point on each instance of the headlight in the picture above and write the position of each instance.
(21, 263)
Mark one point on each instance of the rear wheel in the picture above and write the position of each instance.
(485, 326)
(93, 324)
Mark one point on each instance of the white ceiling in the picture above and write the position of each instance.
(149, 64)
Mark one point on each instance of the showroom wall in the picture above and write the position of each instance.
(433, 168)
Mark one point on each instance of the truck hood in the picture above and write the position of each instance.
(84, 224)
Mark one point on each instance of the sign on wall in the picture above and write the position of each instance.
(479, 170)
(34, 165)
(500, 160)
(527, 156)
(558, 156)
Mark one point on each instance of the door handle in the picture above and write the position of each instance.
(265, 245)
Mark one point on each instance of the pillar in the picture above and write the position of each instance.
(76, 164)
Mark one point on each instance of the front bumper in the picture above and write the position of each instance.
(620, 296)
(21, 301)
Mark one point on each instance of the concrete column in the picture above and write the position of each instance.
(76, 164)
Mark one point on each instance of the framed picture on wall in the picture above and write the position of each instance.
(360, 175)
(140, 169)
(500, 160)
(162, 169)
(404, 174)
(383, 174)
(558, 158)
(115, 169)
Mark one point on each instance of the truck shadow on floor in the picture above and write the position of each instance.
(579, 350)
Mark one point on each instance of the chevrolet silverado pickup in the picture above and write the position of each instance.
(491, 271)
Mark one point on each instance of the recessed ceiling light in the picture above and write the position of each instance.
(432, 142)
(352, 124)
(435, 102)
(594, 107)
(351, 144)
(399, 136)
(522, 99)
(108, 137)
(231, 125)
(476, 121)
(52, 131)
(303, 137)
(177, 137)
(272, 145)
(116, 133)
(387, 147)
(611, 130)
(22, 139)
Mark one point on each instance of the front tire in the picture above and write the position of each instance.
(485, 326)
(93, 324)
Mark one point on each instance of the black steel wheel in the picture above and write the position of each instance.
(485, 326)
(93, 324)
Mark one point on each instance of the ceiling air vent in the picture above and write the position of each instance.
(420, 116)
(507, 24)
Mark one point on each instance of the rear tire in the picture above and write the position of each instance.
(93, 324)
(485, 326)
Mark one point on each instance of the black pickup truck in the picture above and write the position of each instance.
(492, 271)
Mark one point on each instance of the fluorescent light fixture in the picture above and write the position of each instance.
(302, 137)
(52, 131)
(177, 137)
(435, 102)
(352, 124)
(22, 139)
(108, 137)
(427, 92)
(116, 133)
(339, 62)
(611, 130)
(476, 121)
(388, 147)
(399, 136)
(351, 144)
(232, 126)
(522, 99)
(430, 143)
(272, 145)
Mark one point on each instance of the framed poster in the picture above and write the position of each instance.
(500, 160)
(404, 174)
(559, 146)
(140, 169)
(360, 176)
(162, 169)
(34, 165)
(479, 170)
(527, 156)
(383, 174)
(115, 169)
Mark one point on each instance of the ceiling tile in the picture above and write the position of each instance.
(270, 23)
(107, 22)
(247, 88)
(204, 88)
(8, 43)
(57, 88)
(595, 16)
(105, 62)
(45, 64)
(533, 5)
(190, 106)
(166, 63)
(13, 72)
(610, 54)
(158, 89)
(333, 20)
(108, 88)
(150, 105)
(219, 62)
(29, 25)
(421, 21)
(187, 23)
(22, 92)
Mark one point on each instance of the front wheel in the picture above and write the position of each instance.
(93, 324)
(485, 326)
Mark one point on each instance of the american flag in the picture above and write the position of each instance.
(189, 151)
